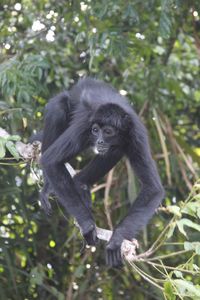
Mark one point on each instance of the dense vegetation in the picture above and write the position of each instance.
(150, 51)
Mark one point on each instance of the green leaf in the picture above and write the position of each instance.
(174, 209)
(168, 291)
(14, 138)
(171, 230)
(192, 246)
(188, 149)
(79, 271)
(159, 50)
(187, 288)
(178, 274)
(2, 148)
(12, 149)
(195, 267)
(56, 293)
(165, 24)
(197, 96)
(37, 275)
(198, 213)
(191, 208)
(187, 222)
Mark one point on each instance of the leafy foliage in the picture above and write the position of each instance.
(149, 50)
(20, 79)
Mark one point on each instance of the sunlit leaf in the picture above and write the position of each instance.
(187, 288)
(2, 148)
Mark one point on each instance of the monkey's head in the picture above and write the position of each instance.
(109, 128)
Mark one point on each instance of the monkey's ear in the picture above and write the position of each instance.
(126, 121)
(127, 118)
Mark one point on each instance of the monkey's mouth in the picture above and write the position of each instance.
(102, 150)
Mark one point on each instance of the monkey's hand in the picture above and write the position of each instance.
(113, 250)
(89, 233)
(91, 236)
(44, 199)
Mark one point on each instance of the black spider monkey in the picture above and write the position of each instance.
(94, 114)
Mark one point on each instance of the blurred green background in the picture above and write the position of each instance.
(150, 52)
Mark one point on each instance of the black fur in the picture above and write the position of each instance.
(67, 131)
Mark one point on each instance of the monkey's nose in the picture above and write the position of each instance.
(100, 142)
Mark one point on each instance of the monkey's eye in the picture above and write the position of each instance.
(95, 129)
(109, 131)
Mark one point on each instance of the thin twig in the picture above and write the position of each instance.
(106, 198)
(144, 107)
(168, 255)
(146, 276)
(98, 187)
(172, 268)
(163, 145)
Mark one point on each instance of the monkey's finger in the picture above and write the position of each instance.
(91, 238)
(109, 258)
(112, 258)
(119, 256)
(117, 263)
(115, 258)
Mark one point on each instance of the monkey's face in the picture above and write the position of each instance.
(103, 138)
